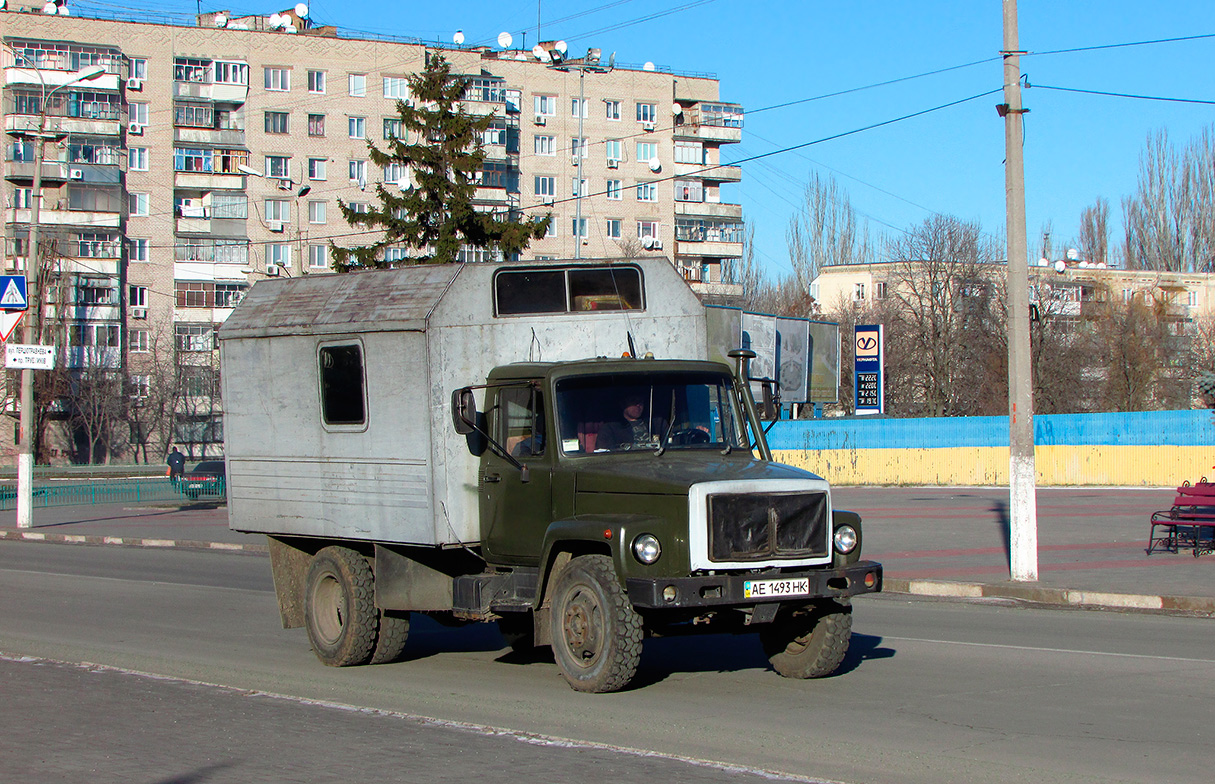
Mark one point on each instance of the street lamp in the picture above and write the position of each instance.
(32, 333)
(591, 63)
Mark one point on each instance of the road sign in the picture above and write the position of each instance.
(868, 372)
(21, 355)
(12, 292)
(8, 322)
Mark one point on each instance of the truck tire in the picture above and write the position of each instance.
(390, 641)
(809, 641)
(339, 607)
(519, 631)
(596, 633)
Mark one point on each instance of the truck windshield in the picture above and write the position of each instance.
(628, 411)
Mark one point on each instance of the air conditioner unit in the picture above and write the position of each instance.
(275, 226)
(647, 126)
(548, 201)
(135, 129)
(272, 270)
(139, 313)
(135, 84)
(613, 163)
(75, 174)
(284, 185)
(541, 119)
(657, 244)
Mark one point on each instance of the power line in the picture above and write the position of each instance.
(1098, 47)
(1120, 95)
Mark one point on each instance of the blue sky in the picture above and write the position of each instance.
(766, 52)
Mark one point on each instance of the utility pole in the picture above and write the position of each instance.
(1023, 507)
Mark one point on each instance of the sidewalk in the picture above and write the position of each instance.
(933, 541)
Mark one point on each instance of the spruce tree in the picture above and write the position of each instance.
(440, 144)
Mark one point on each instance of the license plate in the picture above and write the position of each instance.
(762, 589)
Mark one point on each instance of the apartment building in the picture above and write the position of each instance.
(182, 164)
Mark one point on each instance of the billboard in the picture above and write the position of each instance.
(802, 356)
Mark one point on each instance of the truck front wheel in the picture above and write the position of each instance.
(339, 607)
(596, 633)
(810, 641)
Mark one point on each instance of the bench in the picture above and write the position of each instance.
(1189, 523)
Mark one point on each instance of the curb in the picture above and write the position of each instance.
(133, 541)
(1038, 594)
(1045, 595)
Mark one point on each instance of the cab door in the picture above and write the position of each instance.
(516, 512)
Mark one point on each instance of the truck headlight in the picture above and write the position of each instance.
(845, 539)
(646, 548)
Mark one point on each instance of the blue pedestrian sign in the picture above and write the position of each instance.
(12, 293)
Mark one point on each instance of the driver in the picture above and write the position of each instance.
(636, 427)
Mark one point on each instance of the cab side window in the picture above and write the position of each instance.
(520, 427)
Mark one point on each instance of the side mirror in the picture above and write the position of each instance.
(463, 411)
(770, 411)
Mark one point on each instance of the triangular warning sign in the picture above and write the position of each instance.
(13, 297)
(8, 322)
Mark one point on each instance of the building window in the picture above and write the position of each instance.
(194, 337)
(187, 69)
(316, 212)
(647, 191)
(577, 104)
(141, 386)
(228, 295)
(613, 227)
(614, 150)
(316, 168)
(578, 227)
(316, 82)
(231, 73)
(138, 204)
(276, 122)
(879, 289)
(646, 151)
(546, 145)
(647, 112)
(278, 210)
(393, 129)
(615, 189)
(97, 245)
(690, 152)
(546, 105)
(194, 294)
(232, 206)
(577, 187)
(279, 254)
(612, 108)
(396, 173)
(357, 127)
(138, 250)
(545, 186)
(137, 158)
(316, 125)
(578, 148)
(358, 85)
(138, 296)
(278, 167)
(139, 68)
(359, 207)
(358, 173)
(396, 87)
(1192, 299)
(137, 113)
(139, 341)
(858, 292)
(192, 115)
(318, 256)
(278, 79)
(689, 190)
(647, 229)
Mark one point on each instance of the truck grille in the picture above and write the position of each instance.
(758, 526)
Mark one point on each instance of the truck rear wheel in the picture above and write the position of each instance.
(810, 641)
(339, 607)
(596, 633)
(390, 640)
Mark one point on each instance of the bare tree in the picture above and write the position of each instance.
(824, 232)
(98, 407)
(154, 386)
(1095, 232)
(1170, 221)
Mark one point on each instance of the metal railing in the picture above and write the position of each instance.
(130, 490)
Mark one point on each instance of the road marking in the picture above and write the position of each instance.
(1033, 649)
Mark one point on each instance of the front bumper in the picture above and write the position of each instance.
(727, 589)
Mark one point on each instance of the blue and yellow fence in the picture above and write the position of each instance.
(1150, 449)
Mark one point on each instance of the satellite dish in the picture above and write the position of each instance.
(1061, 266)
(505, 40)
(562, 46)
(655, 164)
(272, 21)
(458, 38)
(647, 243)
(301, 10)
(221, 21)
(521, 56)
(50, 8)
(1042, 262)
(243, 169)
(538, 52)
(290, 29)
(63, 11)
(676, 109)
(648, 66)
(1073, 254)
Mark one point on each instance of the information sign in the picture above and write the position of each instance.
(868, 370)
(21, 355)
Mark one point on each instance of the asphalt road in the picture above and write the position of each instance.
(931, 692)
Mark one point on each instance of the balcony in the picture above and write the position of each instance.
(57, 215)
(209, 181)
(708, 210)
(220, 137)
(209, 91)
(716, 134)
(712, 250)
(52, 78)
(709, 172)
(23, 171)
(27, 125)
